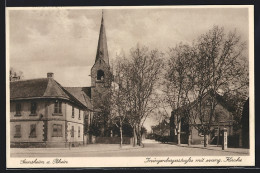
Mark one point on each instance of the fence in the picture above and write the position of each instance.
(112, 140)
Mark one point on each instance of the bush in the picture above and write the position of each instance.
(163, 139)
(112, 140)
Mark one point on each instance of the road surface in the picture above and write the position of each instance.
(151, 148)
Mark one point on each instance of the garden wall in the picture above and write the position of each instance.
(113, 140)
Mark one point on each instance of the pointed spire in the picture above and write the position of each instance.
(102, 52)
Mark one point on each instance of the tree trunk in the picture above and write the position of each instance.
(134, 133)
(189, 137)
(179, 133)
(189, 140)
(138, 138)
(121, 136)
(138, 134)
(206, 140)
(179, 137)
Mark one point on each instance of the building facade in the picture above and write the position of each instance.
(44, 114)
(190, 129)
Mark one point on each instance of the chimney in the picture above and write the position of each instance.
(50, 75)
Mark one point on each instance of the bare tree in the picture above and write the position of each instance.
(119, 97)
(219, 68)
(15, 75)
(176, 83)
(141, 78)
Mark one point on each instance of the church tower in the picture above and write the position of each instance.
(100, 72)
(101, 78)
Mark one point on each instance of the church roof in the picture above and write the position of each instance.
(83, 94)
(41, 88)
(102, 51)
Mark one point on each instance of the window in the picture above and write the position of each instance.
(57, 107)
(33, 107)
(79, 132)
(18, 108)
(72, 131)
(57, 130)
(100, 75)
(79, 113)
(17, 131)
(33, 131)
(72, 111)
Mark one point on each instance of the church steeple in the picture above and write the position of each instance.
(102, 52)
(100, 72)
(101, 79)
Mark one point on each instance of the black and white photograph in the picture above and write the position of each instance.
(130, 86)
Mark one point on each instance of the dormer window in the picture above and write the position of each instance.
(100, 75)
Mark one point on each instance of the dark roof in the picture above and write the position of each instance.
(225, 103)
(41, 88)
(82, 94)
(220, 99)
(102, 51)
(28, 88)
(46, 87)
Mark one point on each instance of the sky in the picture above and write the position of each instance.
(64, 41)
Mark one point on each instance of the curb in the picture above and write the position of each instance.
(77, 150)
(210, 148)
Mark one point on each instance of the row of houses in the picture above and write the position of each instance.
(190, 129)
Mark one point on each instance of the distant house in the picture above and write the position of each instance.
(223, 119)
(162, 129)
(45, 114)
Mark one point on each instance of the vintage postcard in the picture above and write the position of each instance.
(157, 86)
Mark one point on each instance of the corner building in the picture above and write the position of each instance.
(45, 114)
